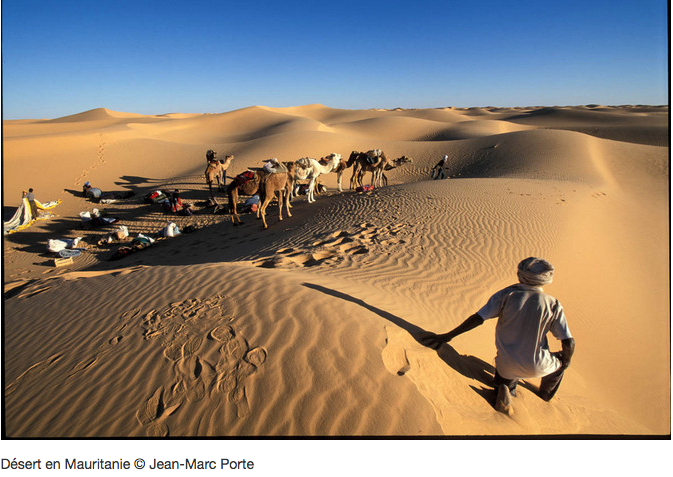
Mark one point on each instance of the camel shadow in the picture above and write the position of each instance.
(469, 366)
(137, 183)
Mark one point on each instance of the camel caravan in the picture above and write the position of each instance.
(283, 180)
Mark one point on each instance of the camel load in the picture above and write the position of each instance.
(374, 161)
(281, 179)
(309, 169)
(265, 182)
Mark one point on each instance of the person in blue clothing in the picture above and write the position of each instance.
(525, 315)
(93, 193)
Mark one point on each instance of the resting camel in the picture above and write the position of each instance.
(384, 180)
(361, 164)
(258, 184)
(309, 168)
(217, 170)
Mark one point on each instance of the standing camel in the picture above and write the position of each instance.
(373, 161)
(309, 168)
(270, 184)
(217, 170)
(343, 165)
(254, 182)
(246, 183)
(383, 179)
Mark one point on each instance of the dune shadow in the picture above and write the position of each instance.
(469, 366)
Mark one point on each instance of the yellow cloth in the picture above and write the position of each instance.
(23, 217)
(48, 205)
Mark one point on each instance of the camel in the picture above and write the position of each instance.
(361, 164)
(384, 180)
(217, 170)
(324, 161)
(263, 184)
(309, 168)
(291, 180)
(338, 169)
(270, 184)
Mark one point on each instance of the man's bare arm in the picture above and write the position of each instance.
(433, 340)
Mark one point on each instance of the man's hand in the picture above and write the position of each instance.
(568, 348)
(431, 340)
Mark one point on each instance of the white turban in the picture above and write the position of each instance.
(535, 272)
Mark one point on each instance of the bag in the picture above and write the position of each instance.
(140, 243)
(122, 232)
(155, 197)
(56, 245)
(122, 252)
(171, 230)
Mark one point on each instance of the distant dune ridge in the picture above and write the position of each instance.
(310, 328)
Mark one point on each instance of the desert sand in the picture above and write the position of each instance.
(310, 328)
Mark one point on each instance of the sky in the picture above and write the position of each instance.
(210, 56)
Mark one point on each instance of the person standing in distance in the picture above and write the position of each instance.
(525, 315)
(30, 195)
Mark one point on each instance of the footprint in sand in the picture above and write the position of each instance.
(151, 409)
(192, 346)
(173, 352)
(35, 370)
(153, 412)
(115, 340)
(222, 333)
(359, 250)
(256, 357)
(29, 293)
(187, 336)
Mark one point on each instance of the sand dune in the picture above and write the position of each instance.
(310, 328)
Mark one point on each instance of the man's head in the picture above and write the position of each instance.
(535, 272)
(210, 155)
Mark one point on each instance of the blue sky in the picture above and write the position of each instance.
(154, 57)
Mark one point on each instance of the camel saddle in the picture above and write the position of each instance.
(373, 156)
(243, 177)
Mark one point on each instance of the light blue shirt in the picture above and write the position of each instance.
(525, 315)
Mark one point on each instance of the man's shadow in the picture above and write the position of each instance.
(469, 366)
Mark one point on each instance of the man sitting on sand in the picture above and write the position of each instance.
(525, 315)
(96, 195)
(90, 192)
